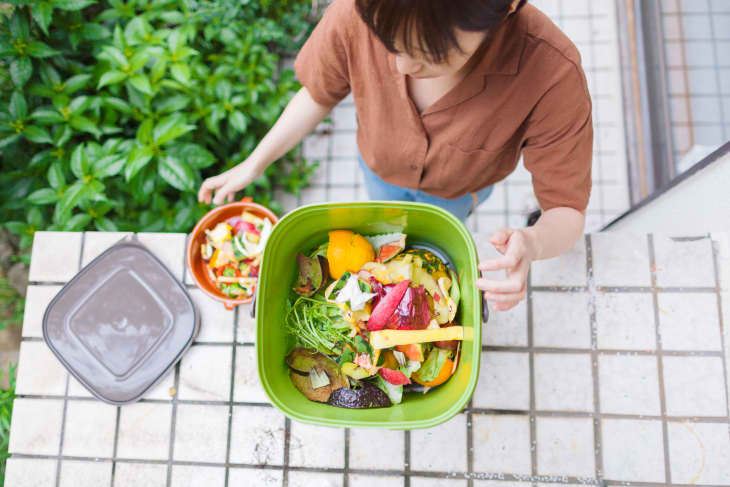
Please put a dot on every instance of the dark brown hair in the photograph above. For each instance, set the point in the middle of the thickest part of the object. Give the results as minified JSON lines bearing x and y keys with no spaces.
{"x":433,"y":21}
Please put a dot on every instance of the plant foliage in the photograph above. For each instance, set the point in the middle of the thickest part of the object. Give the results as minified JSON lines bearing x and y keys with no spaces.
{"x":112,"y":112}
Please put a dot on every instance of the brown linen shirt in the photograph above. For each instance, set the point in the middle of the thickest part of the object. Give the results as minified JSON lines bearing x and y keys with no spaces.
{"x":527,"y":95}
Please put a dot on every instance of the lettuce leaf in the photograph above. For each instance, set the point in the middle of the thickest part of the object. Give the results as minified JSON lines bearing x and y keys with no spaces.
{"x":395,"y":393}
{"x":432,"y":365}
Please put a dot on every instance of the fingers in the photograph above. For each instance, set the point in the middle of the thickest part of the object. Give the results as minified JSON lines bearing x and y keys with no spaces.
{"x":505,"y":298}
{"x":227,"y":192}
{"x":504,"y":306}
{"x":511,"y":285}
{"x":506,"y":261}
{"x":501,"y":236}
{"x":206,"y":189}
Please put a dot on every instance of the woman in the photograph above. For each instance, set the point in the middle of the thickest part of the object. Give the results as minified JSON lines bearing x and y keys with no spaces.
{"x":449,"y":94}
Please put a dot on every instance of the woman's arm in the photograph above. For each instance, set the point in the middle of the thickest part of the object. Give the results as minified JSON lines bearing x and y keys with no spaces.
{"x":555,"y":232}
{"x":299,"y":118}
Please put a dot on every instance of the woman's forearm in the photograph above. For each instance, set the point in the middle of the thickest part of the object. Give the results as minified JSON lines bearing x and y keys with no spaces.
{"x":300,"y":117}
{"x":556,"y":231}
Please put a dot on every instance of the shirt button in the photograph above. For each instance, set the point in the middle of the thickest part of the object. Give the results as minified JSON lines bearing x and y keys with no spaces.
{"x":414,"y":167}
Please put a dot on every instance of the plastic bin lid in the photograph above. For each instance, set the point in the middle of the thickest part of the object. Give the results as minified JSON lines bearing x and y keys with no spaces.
{"x":121,"y":323}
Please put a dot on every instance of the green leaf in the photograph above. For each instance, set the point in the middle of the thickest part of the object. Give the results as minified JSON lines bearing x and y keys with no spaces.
{"x":177,"y":173}
{"x":55,"y":176}
{"x":197,"y":156}
{"x":17,"y":228}
{"x":111,"y":78}
{"x":20,"y":70}
{"x":139,"y":59}
{"x":38,"y":135}
{"x":85,"y":125}
{"x":79,"y":104}
{"x":72,"y":4}
{"x":141,"y":83}
{"x":75,"y":83}
{"x":43,"y":196}
{"x":173,"y":103}
{"x":42,"y":13}
{"x":114,"y":55}
{"x":94,"y":32}
{"x":138,"y":159}
{"x":9,"y":140}
{"x":104,"y":224}
{"x":108,"y":166}
{"x":181,"y":73}
{"x":170,"y":128}
{"x":136,"y":30}
{"x":71,"y":198}
{"x":61,"y":135}
{"x":117,"y":104}
{"x":46,"y":115}
{"x":19,"y":25}
{"x":144,"y":132}
{"x":77,"y":222}
{"x":17,"y":107}
{"x":172,"y":17}
{"x":41,"y":50}
{"x":79,"y":162}
{"x":175,"y":40}
{"x":238,"y":121}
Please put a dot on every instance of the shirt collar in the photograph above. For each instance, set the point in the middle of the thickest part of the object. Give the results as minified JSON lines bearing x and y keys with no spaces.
{"x":504,"y":49}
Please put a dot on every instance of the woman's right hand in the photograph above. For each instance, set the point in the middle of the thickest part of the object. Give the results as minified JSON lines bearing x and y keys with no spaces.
{"x":226,"y":184}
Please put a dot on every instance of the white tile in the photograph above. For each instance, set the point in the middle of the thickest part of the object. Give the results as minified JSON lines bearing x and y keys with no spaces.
{"x":694,"y":386}
{"x":488,"y":223}
{"x":195,"y":476}
{"x":344,"y":145}
{"x":254,"y":476}
{"x":246,"y":332}
{"x":76,"y":389}
{"x":452,"y":459}
{"x":168,"y":247}
{"x":502,"y":444}
{"x":39,"y":371}
{"x":339,"y":194}
{"x":316,"y":146}
{"x":684,"y":263}
{"x":699,"y":453}
{"x":496,"y":200}
{"x":615,"y":196}
{"x":563,"y":382}
{"x":344,"y":117}
{"x":505,"y":483}
{"x":205,"y":373}
{"x":144,"y":431}
{"x":37,"y":299}
{"x":97,"y":242}
{"x":165,"y":389}
{"x":344,"y":172}
{"x":55,"y":256}
{"x":315,"y":194}
{"x":560,"y":319}
{"x":629,"y":384}
{"x":568,"y":269}
{"x":257,"y":435}
{"x":389,"y":455}
{"x":356,"y":480}
{"x":89,"y":430}
{"x":633,"y":450}
{"x":140,"y":474}
{"x":247,"y":387}
{"x":35,"y":427}
{"x":521,"y":198}
{"x":620,"y":259}
{"x":689,"y":321}
{"x":216,"y":322}
{"x":437,"y":482}
{"x":310,"y":479}
{"x":305,"y":446}
{"x":201,"y":433}
{"x":565,"y":447}
{"x":507,"y":327}
{"x":625,"y":321}
{"x":30,"y":472}
{"x":504,"y":381}
{"x":85,"y":474}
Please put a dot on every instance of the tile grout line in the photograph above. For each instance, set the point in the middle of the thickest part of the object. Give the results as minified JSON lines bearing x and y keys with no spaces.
{"x":68,"y":381}
{"x":231,"y":392}
{"x":116,"y":445}
{"x":470,"y":443}
{"x":597,"y":434}
{"x":716,"y":268}
{"x":718,"y":79}
{"x":346,"y":471}
{"x":407,"y":459}
{"x":287,"y":443}
{"x":173,"y":424}
{"x":531,"y":362}
{"x":660,"y":362}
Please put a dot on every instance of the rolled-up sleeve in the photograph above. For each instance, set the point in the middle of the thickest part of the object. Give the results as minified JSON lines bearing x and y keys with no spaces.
{"x":322,"y":63}
{"x":558,"y":147}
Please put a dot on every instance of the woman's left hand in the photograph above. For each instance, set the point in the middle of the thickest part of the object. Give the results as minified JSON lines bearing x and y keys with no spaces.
{"x":518,"y":248}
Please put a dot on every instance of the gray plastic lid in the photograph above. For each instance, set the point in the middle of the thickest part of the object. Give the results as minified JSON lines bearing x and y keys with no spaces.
{"x":121,"y":323}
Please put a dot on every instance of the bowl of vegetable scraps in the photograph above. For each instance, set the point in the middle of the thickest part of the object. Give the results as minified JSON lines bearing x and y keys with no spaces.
{"x":225,"y":250}
{"x":369,"y":316}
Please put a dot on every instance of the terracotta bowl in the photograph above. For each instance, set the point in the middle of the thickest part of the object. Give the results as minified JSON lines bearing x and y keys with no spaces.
{"x":196,"y":264}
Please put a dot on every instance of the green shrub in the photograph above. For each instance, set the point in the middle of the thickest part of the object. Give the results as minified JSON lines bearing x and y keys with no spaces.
{"x":6,"y":412}
{"x":111,"y":113}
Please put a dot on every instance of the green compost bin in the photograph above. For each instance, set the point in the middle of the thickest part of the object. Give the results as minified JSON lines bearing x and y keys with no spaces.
{"x":305,"y":228}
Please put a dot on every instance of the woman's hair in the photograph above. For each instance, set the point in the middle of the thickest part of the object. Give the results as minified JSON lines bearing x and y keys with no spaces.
{"x":432,"y":21}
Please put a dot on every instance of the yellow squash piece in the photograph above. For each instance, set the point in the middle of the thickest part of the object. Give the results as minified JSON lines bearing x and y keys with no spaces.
{"x":390,"y":338}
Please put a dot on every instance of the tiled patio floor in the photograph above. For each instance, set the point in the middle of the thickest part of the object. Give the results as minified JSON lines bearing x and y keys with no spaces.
{"x":592,"y":27}
{"x":613,"y":372}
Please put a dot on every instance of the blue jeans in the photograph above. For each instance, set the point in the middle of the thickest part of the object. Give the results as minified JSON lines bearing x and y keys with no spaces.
{"x":380,"y":190}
